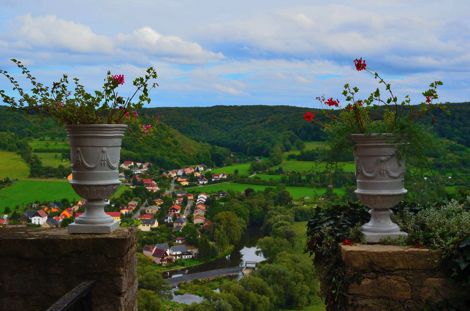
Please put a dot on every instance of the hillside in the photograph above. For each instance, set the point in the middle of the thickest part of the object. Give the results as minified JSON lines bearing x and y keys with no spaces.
{"x":165,"y":147}
{"x":254,"y":130}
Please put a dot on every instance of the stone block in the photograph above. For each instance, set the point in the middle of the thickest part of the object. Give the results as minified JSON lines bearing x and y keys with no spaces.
{"x":388,"y":257}
{"x":39,"y":266}
{"x":392,"y":287}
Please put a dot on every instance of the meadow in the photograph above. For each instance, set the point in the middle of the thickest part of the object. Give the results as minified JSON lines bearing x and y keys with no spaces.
{"x":52,"y":159}
{"x":243,"y":169}
{"x":12,"y":166}
{"x":27,"y":191}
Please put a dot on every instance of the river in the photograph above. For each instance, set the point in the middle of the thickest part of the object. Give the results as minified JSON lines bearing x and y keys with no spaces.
{"x":245,"y":251}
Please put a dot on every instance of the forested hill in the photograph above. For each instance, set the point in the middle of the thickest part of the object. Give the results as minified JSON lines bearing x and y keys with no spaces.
{"x":255,"y":130}
{"x":251,"y":130}
{"x":166,"y":147}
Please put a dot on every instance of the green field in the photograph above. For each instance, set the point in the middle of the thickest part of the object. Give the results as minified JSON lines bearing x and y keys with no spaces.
{"x":52,"y":159}
{"x":296,"y":192}
{"x":49,"y":144}
{"x":28,"y":191}
{"x":243,"y":169}
{"x":12,"y":166}
{"x":309,"y":145}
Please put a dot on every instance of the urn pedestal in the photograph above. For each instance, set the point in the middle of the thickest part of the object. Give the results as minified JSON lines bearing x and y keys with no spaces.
{"x":380,"y":183}
{"x":95,"y":153}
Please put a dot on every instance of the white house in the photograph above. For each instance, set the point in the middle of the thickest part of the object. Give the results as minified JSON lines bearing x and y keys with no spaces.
{"x":39,"y":218}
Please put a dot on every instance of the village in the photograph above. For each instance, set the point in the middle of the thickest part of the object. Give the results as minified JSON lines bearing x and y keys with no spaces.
{"x":173,"y":207}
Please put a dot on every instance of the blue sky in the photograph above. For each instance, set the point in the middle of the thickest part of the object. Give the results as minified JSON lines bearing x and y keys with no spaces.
{"x":244,"y":52}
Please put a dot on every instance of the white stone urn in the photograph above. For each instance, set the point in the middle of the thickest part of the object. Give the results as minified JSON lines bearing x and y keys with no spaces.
{"x":95,"y":152}
{"x":380,"y":183}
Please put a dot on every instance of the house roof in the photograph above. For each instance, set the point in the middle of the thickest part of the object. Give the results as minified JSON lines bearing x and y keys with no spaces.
{"x":146,"y":216}
{"x":2,"y":221}
{"x":162,"y":246}
{"x":179,"y":248}
{"x":176,"y":207}
{"x":149,"y":248}
{"x":159,"y":253}
{"x":52,"y":222}
{"x":148,"y":180}
{"x":41,"y":213}
{"x":148,"y":222}
{"x":180,"y":220}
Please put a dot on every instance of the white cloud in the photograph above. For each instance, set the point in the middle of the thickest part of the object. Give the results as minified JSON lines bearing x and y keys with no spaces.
{"x":170,"y":47}
{"x":51,"y":32}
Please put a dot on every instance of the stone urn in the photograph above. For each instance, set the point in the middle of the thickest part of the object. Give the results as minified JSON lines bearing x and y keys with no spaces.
{"x":95,"y":152}
{"x":380,"y":183}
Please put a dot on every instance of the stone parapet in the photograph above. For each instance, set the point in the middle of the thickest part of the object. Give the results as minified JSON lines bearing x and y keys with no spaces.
{"x":39,"y":266}
{"x":399,"y":278}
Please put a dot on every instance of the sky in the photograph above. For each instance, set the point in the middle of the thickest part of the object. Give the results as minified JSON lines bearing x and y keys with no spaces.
{"x":263,"y":52}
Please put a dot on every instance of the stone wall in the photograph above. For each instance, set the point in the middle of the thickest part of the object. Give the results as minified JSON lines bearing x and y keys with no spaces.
{"x":399,"y":278}
{"x":39,"y":266}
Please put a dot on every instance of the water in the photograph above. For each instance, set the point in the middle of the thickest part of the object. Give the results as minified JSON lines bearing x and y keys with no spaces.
{"x":186,"y":299}
{"x":246,"y":251}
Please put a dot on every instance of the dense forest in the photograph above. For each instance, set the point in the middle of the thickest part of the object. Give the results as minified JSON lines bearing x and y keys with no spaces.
{"x":255,"y":130}
{"x":210,"y":134}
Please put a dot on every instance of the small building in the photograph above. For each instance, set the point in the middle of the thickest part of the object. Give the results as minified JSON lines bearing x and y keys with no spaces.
{"x":202,"y":181}
{"x":146,"y":216}
{"x":199,"y":220}
{"x":152,"y":209}
{"x":148,"y":224}
{"x":39,"y":218}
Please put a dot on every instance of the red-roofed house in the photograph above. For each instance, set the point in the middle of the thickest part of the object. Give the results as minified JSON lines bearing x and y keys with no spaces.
{"x":146,"y":216}
{"x":175,"y":208}
{"x":199,"y":220}
{"x":150,"y":185}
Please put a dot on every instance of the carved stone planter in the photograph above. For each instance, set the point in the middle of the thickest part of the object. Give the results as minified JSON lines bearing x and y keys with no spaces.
{"x":95,"y":152}
{"x":380,"y":183}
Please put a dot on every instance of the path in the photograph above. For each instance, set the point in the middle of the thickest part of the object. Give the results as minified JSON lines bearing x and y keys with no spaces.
{"x":205,"y":275}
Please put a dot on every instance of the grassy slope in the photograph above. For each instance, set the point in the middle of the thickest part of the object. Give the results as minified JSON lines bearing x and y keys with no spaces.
{"x":243,"y":169}
{"x":27,"y":191}
{"x":12,"y":166}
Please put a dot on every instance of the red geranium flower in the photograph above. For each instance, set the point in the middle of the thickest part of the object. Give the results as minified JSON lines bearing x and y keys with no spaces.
{"x":309,"y":116}
{"x":347,"y":242}
{"x":349,"y":107}
{"x":360,"y":64}
{"x":428,"y":100}
{"x":119,"y":79}
{"x":332,"y":102}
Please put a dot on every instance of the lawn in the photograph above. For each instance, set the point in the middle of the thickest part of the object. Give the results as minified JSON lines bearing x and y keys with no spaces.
{"x":52,"y":159}
{"x":243,"y":169}
{"x":12,"y":166}
{"x":296,"y":192}
{"x":23,"y":192}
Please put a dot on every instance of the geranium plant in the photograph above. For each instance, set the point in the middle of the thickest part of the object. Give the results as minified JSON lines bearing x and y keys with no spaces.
{"x":375,"y":113}
{"x":70,"y":104}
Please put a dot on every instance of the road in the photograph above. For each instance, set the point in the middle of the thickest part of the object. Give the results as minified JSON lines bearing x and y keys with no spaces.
{"x":205,"y":275}
{"x":142,"y":207}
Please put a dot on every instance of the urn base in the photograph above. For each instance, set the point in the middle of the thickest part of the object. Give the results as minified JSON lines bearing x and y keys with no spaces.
{"x":93,"y":228}
{"x":374,"y":237}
